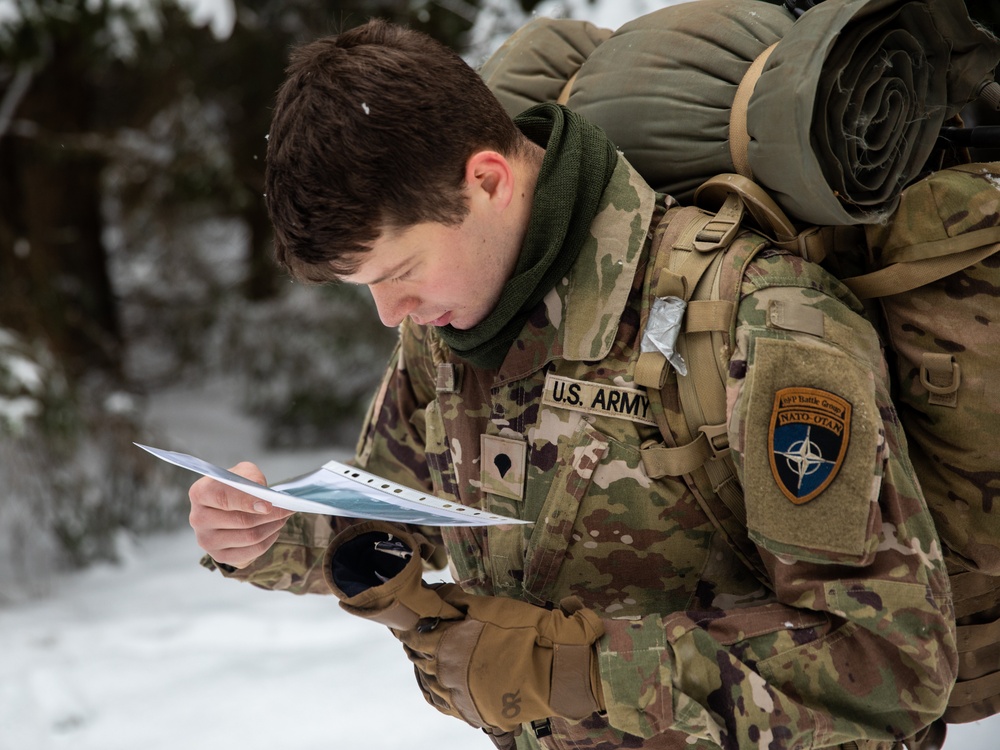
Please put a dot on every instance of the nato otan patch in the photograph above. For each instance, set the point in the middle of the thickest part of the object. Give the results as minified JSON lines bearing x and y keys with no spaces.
{"x":807,"y":440}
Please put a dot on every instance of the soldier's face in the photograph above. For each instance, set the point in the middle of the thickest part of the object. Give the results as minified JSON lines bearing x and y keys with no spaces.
{"x":437,"y":274}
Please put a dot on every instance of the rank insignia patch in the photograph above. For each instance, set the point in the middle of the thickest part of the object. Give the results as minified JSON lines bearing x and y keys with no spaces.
{"x":504,"y":465}
{"x":807,"y":440}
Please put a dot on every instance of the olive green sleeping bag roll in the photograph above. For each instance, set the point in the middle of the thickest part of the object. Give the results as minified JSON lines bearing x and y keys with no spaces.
{"x":849,"y":105}
{"x":535,"y":64}
{"x":844,"y":114}
{"x":663,"y":85}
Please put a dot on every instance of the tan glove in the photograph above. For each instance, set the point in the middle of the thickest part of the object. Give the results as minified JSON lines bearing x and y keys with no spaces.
{"x":494,"y":662}
{"x":508,"y":662}
{"x":375,"y":569}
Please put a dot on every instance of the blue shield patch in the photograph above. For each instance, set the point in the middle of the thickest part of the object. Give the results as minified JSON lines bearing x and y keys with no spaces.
{"x":807,"y":440}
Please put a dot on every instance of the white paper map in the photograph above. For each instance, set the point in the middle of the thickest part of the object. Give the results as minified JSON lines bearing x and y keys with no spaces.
{"x":337,"y":489}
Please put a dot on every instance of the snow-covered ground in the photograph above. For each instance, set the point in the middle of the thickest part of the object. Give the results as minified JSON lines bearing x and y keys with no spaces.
{"x":160,"y":654}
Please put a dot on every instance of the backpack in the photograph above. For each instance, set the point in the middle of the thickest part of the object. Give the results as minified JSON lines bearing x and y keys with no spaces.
{"x":936,"y":276}
{"x":932,"y":282}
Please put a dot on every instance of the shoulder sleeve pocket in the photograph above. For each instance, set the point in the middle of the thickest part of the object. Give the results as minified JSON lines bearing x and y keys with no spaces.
{"x":813,"y":456}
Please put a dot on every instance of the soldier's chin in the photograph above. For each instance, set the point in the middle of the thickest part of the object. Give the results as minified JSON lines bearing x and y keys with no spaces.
{"x":464,"y":324}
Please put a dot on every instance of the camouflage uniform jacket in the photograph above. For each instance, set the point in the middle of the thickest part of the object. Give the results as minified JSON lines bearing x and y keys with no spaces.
{"x":852,"y":638}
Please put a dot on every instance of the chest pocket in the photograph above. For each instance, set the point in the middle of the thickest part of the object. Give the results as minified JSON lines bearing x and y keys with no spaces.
{"x":577,"y":457}
{"x":530,"y":562}
{"x":604,"y":530}
{"x":464,"y":543}
{"x":437,"y":453}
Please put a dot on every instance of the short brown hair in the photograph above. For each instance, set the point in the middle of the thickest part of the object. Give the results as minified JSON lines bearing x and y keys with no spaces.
{"x":371,"y":130}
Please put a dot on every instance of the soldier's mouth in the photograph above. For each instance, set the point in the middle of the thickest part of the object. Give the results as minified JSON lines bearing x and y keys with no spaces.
{"x":443,"y":320}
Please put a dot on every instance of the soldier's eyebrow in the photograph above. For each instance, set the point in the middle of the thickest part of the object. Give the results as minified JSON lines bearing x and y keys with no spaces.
{"x":390,"y":274}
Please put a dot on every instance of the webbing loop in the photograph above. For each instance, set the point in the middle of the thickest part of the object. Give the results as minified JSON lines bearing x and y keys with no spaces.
{"x":941,"y":376}
{"x":651,"y":370}
{"x":709,"y":315}
{"x":660,"y":461}
{"x":711,"y":444}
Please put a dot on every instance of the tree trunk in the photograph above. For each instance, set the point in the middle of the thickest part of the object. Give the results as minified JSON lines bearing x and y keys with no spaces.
{"x":263,"y":274}
{"x":54,"y":279}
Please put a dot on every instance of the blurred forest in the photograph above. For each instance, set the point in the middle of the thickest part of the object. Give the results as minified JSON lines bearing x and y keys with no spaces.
{"x":135,"y":249}
{"x":135,"y":252}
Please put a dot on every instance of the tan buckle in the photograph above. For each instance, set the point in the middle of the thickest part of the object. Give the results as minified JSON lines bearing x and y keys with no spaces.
{"x":721,"y":228}
{"x":717,"y":436}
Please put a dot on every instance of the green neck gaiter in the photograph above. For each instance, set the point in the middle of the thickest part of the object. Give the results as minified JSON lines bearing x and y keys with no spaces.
{"x":578,"y":163}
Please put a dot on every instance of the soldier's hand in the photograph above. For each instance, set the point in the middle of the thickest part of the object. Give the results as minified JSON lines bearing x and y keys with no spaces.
{"x":233,"y":527}
{"x":494,"y":662}
{"x":375,"y":569}
{"x":507,"y":662}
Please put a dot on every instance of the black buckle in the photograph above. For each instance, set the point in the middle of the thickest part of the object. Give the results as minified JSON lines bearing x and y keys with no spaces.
{"x":798,"y":7}
{"x":541,"y":728}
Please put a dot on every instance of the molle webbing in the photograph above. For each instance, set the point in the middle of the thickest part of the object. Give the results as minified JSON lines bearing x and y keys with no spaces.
{"x":977,"y":609}
{"x":687,"y":260}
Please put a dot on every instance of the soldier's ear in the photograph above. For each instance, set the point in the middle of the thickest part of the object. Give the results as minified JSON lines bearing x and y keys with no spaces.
{"x":489,"y":177}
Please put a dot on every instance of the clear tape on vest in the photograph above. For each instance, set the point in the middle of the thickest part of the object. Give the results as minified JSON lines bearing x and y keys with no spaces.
{"x":666,"y":316}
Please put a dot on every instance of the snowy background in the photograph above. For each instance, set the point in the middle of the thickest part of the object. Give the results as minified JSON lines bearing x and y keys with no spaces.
{"x":156,"y":653}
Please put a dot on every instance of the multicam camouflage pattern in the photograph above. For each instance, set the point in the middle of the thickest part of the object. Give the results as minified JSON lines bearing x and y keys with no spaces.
{"x":952,"y":434}
{"x":852,"y":642}
{"x":947,"y":357}
{"x":295,"y":561}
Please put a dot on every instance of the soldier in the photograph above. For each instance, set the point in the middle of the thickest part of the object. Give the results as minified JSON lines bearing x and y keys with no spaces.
{"x":516,"y":259}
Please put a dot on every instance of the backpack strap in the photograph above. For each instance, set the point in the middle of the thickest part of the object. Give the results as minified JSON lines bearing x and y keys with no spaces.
{"x":695,"y":256}
{"x":937,"y":259}
{"x":812,"y":243}
{"x":563,"y":97}
{"x":739,"y":138}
